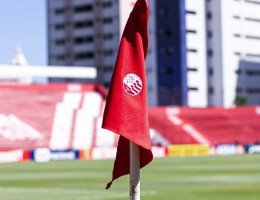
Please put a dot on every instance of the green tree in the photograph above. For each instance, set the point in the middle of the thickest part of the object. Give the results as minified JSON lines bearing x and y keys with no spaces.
{"x":241,"y":100}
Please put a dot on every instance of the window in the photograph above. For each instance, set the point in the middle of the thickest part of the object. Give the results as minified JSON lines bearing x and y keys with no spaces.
{"x":253,"y":55}
{"x":211,"y":71}
{"x":191,"y":12}
{"x":108,"y":20}
{"x":209,"y":34}
{"x":253,"y":72}
{"x":106,"y":84}
{"x":252,"y":37}
{"x":108,"y":68}
{"x":238,"y":72}
{"x":83,"y":8}
{"x":108,"y":36}
{"x":165,"y":32}
{"x":211,"y":90}
{"x":59,"y":11}
{"x":191,"y":31}
{"x":253,"y":2}
{"x":169,"y":70}
{"x":237,"y":35}
{"x":83,"y":24}
{"x":60,"y":42}
{"x":253,"y":90}
{"x":236,"y":17}
{"x":192,"y":50}
{"x":59,"y":26}
{"x":193,"y":89}
{"x":81,"y":40}
{"x":108,"y":52}
{"x":239,"y":90}
{"x":168,"y":32}
{"x":210,"y":52}
{"x":252,"y":19}
{"x":166,"y":50}
{"x":60,"y":57}
{"x":209,"y":15}
{"x":84,"y":55}
{"x":165,"y":13}
{"x":192,"y":69}
{"x":107,"y":4}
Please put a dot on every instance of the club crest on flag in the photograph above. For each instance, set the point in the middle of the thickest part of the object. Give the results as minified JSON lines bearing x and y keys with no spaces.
{"x":132,"y":84}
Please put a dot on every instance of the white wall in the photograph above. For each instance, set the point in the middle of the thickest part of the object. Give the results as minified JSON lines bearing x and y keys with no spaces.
{"x":214,"y":43}
{"x":196,"y":60}
{"x":239,"y":45}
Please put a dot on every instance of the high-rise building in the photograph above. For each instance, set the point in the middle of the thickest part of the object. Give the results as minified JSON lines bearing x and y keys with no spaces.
{"x":84,"y":33}
{"x":87,"y":33}
{"x":201,"y":53}
{"x":208,"y":52}
{"x":181,"y":56}
{"x":233,"y":32}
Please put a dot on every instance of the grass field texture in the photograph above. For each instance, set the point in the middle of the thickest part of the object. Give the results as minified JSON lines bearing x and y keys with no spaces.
{"x":197,"y":178}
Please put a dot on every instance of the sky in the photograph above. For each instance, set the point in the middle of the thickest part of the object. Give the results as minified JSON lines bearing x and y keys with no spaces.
{"x":23,"y":23}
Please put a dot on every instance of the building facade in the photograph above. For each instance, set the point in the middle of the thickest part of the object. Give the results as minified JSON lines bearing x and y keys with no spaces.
{"x":233,"y":30}
{"x":199,"y":51}
{"x":208,"y":52}
{"x":87,"y":33}
{"x":181,"y":53}
{"x":84,"y":33}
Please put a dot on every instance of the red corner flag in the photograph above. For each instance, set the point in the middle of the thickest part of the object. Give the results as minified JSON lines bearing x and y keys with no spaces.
{"x":126,"y":110}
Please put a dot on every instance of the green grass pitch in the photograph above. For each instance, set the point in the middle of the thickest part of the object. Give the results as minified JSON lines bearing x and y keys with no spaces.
{"x":186,"y":178}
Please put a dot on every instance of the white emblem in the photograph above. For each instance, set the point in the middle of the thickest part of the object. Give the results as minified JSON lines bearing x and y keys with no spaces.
{"x":132,"y":84}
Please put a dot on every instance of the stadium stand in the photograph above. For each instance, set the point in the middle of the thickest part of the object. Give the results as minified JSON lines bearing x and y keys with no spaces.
{"x":169,"y":126}
{"x":69,"y":116}
{"x":210,"y":126}
{"x":238,"y":125}
{"x":57,"y":116}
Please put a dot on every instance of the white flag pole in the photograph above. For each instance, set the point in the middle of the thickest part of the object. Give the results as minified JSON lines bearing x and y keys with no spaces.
{"x":134,"y":172}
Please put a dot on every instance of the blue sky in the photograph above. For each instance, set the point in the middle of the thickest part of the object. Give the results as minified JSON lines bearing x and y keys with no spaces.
{"x":24,"y":23}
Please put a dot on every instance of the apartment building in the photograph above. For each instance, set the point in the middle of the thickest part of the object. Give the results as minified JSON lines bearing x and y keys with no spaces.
{"x":87,"y":33}
{"x":201,"y":53}
{"x":182,"y":64}
{"x":233,"y":51}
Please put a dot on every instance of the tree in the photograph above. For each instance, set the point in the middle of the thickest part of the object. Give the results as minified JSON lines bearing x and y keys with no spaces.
{"x":241,"y":100}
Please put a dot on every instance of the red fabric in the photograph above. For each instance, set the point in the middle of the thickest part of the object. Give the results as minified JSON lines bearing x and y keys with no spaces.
{"x":126,"y":111}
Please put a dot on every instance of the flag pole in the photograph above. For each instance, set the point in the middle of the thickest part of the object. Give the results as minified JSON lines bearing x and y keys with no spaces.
{"x":134,"y":171}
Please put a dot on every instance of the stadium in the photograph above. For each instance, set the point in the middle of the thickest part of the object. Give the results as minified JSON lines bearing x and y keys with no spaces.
{"x":200,"y":131}
{"x":195,"y":160}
